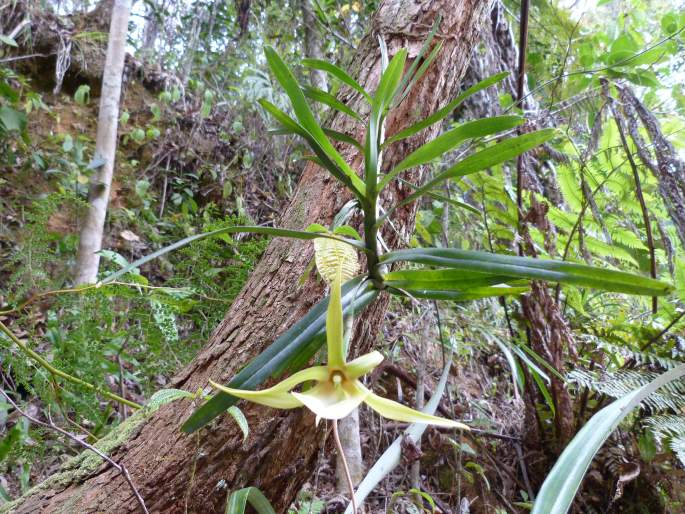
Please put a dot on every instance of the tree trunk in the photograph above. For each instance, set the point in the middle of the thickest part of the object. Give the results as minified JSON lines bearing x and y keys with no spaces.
{"x":313,"y":43}
{"x":87,"y":259}
{"x":178,"y":473}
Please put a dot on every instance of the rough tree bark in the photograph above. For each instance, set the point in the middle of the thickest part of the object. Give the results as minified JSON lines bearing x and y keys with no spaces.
{"x":90,"y":242}
{"x":178,"y":473}
{"x":313,"y":42}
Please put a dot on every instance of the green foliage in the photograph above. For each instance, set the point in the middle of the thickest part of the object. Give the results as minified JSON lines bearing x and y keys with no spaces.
{"x":562,"y":483}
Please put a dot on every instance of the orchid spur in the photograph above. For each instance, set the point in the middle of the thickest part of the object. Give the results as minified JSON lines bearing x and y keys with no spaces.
{"x":338,"y":390}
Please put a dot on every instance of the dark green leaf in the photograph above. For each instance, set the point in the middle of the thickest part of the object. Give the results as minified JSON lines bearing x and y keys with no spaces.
{"x":450,"y":140}
{"x":465,"y":295}
{"x":238,"y":500}
{"x":445,"y":111}
{"x":533,"y":269}
{"x":490,"y":156}
{"x":387,"y":87}
{"x":305,"y":116}
{"x":269,"y":231}
{"x":323,"y":159}
{"x":338,"y":73}
{"x":328,"y":99}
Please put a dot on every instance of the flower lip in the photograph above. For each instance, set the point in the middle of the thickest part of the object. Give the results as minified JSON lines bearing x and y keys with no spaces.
{"x":337,"y":377}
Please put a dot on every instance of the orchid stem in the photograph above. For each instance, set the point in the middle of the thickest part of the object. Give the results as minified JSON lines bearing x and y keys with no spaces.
{"x":341,"y":452}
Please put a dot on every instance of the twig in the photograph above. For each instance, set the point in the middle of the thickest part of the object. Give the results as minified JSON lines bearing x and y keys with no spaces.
{"x":640,"y":197}
{"x":660,"y":334}
{"x":58,"y":372}
{"x":524,"y":470}
{"x":119,"y":467}
{"x":21,"y":57}
{"x":520,"y":82}
{"x":341,"y":452}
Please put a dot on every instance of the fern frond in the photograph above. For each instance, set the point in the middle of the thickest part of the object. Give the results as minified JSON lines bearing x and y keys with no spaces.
{"x":622,"y":382}
{"x":640,"y":358}
{"x":670,"y":429}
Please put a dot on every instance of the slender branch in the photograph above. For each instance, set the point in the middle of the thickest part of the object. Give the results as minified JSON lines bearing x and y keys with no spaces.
{"x":81,"y":289}
{"x":520,"y":83}
{"x":59,"y":373}
{"x":348,"y":477}
{"x":50,"y":425}
{"x":640,"y":197}
{"x":660,"y":334}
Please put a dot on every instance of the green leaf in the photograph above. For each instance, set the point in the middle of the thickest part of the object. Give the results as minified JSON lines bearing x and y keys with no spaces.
{"x":296,"y":345}
{"x":450,"y":140}
{"x":11,"y":119}
{"x":346,"y":230}
{"x":387,"y":87}
{"x":305,"y":116}
{"x":323,"y":159}
{"x":164,"y":396}
{"x":240,"y":419}
{"x":328,"y":99}
{"x":533,"y":269}
{"x":445,"y":111}
{"x":238,"y":500}
{"x":343,"y":138}
{"x":338,"y":73}
{"x":490,"y":156}
{"x":8,"y":41}
{"x":465,"y":295}
{"x":562,"y":483}
{"x":444,"y":279}
{"x":413,"y":75}
{"x":419,"y":73}
{"x":269,"y":231}
{"x":454,"y":203}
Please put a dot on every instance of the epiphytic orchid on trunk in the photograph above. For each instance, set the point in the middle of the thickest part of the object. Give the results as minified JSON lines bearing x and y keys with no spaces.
{"x":338,"y":390}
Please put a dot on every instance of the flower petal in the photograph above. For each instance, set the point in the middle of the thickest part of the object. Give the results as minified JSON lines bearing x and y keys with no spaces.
{"x":393,"y":410}
{"x":362,"y":365}
{"x":332,"y":402}
{"x":278,"y":396}
{"x":334,"y":325}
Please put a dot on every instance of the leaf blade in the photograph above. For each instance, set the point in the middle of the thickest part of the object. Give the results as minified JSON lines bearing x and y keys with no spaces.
{"x":532,"y":269}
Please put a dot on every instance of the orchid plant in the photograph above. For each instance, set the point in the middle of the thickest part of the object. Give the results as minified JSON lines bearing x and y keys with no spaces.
{"x":450,"y":274}
{"x":338,"y":390}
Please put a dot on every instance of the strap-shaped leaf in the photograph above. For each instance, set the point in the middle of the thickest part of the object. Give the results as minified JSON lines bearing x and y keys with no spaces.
{"x":269,"y":231}
{"x":238,"y":500}
{"x":534,"y":269}
{"x":465,"y":295}
{"x":561,"y":485}
{"x":454,"y":203}
{"x":333,"y":134}
{"x":305,"y":116}
{"x":338,"y":73}
{"x":450,"y":140}
{"x":299,"y":342}
{"x":343,"y":138}
{"x":324,"y":97}
{"x":385,"y":92}
{"x":445,"y":279}
{"x":413,"y":75}
{"x":445,"y":111}
{"x":490,"y":156}
{"x":327,"y":163}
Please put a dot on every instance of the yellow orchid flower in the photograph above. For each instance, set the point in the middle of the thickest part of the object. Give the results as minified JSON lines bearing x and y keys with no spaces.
{"x":338,"y":390}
